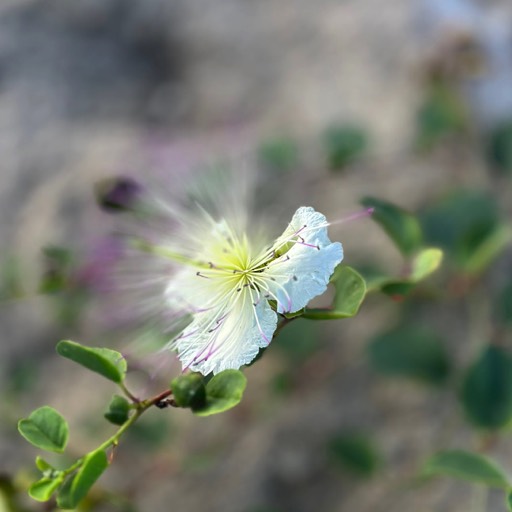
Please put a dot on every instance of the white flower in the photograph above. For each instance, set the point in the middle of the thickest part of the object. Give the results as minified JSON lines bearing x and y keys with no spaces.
{"x":233,"y":291}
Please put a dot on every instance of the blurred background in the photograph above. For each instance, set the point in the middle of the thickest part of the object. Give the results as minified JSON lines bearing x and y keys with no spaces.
{"x":334,"y":100}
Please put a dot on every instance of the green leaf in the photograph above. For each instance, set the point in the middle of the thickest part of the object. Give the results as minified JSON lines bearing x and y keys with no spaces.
{"x":425,"y":263}
{"x":466,"y":466}
{"x":499,"y":147}
{"x":43,"y":466}
{"x":466,"y":225}
{"x":45,"y":428}
{"x":410,"y":352}
{"x":354,"y":452}
{"x":344,"y":144}
{"x":75,"y":489}
{"x":118,"y":410}
{"x":350,"y":291}
{"x":43,"y":489}
{"x":488,"y":249}
{"x":487,"y":389}
{"x":108,"y":363}
{"x":279,"y":154}
{"x":441,"y":115}
{"x":400,"y":225}
{"x":504,"y":305}
{"x":189,"y":390}
{"x":224,"y":391}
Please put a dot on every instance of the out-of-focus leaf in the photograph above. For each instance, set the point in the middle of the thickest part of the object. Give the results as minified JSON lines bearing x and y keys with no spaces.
{"x":189,"y":390}
{"x":400,"y":225}
{"x":466,"y":225}
{"x":442,"y":114}
{"x":344,"y":144}
{"x":45,"y":428}
{"x":504,"y":305}
{"x":466,"y":466}
{"x":410,"y":352}
{"x":488,"y":249}
{"x":118,"y":410}
{"x":499,"y":147}
{"x":487,"y":389}
{"x":350,"y":291}
{"x":223,"y":392}
{"x":108,"y":363}
{"x":279,"y":154}
{"x":425,"y":263}
{"x":355,"y":452}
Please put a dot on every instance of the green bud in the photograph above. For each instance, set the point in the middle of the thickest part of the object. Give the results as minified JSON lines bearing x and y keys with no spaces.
{"x":189,"y":391}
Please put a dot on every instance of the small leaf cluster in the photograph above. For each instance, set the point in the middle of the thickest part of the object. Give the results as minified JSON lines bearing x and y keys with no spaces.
{"x":46,"y":429}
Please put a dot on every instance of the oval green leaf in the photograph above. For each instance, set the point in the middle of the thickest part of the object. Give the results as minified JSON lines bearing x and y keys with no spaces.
{"x":466,"y":466}
{"x":487,"y":389}
{"x":410,"y":352}
{"x":108,"y":363}
{"x":223,"y":392}
{"x":43,"y":489}
{"x":400,"y":225}
{"x":425,"y":263}
{"x":75,"y":489}
{"x":45,"y":428}
{"x":43,"y":466}
{"x":350,"y":291}
{"x":118,"y":410}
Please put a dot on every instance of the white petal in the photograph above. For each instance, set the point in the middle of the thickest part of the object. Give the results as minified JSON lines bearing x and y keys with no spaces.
{"x":303,"y":272}
{"x":226,"y":338}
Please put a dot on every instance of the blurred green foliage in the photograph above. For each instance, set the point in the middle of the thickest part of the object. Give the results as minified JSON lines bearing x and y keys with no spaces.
{"x":279,"y":154}
{"x":499,"y":147}
{"x":410,"y":351}
{"x":467,"y":225}
{"x":401,"y":226}
{"x":487,"y":389}
{"x":466,"y":466}
{"x":441,"y":116}
{"x":344,"y":144}
{"x":354,"y":452}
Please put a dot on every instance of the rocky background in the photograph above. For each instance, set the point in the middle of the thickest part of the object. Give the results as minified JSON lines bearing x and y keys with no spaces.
{"x":94,"y":88}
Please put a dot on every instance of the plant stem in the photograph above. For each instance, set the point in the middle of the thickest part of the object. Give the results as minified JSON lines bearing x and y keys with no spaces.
{"x":140,"y":408}
{"x":128,"y":393}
